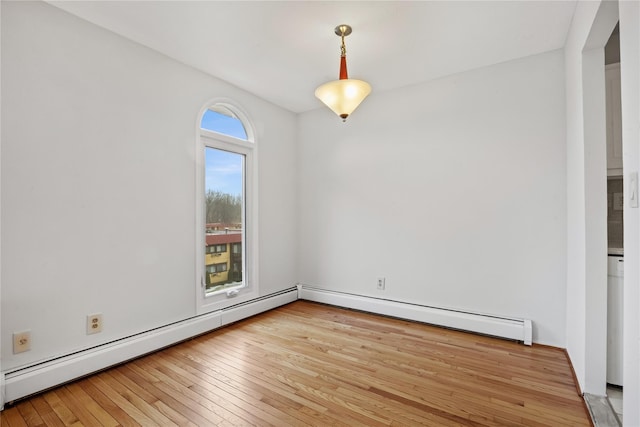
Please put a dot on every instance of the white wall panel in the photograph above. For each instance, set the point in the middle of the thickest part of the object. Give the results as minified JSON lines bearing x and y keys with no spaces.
{"x":630,"y":88}
{"x":98,"y":183}
{"x":453,"y":190}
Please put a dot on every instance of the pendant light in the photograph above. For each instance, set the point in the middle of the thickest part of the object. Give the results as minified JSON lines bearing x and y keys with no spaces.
{"x":344,"y":95}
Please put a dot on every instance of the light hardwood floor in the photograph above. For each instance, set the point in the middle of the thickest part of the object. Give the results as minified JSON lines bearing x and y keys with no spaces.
{"x":311,"y":364}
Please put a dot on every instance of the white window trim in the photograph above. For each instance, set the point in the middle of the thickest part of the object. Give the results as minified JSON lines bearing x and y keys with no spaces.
{"x":219,"y":300}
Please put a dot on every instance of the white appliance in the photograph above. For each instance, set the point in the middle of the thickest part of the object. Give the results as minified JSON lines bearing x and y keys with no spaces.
{"x":615,"y":282}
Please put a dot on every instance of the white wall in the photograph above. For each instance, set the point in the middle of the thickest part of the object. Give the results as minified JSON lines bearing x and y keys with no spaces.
{"x":577,"y":265}
{"x":591,"y":22}
{"x":586,"y":296}
{"x":1,"y":376}
{"x":576,"y":220}
{"x":630,"y":85}
{"x":595,"y":136}
{"x":454,"y":190}
{"x":98,"y":183}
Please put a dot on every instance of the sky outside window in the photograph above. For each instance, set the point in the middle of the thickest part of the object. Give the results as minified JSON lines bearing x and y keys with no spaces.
{"x":223,"y":170}
{"x":221,"y":123}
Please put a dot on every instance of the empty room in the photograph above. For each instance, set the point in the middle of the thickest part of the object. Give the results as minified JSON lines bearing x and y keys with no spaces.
{"x":319,"y":213}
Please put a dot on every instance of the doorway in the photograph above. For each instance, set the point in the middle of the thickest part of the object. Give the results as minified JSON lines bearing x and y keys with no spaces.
{"x":615,"y":224}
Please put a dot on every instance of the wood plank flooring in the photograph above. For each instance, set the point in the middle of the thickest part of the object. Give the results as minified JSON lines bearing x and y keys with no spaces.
{"x":311,"y":364}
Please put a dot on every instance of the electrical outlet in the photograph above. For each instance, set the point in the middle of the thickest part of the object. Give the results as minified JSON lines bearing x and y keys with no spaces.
{"x":21,"y":342}
{"x":94,"y":323}
{"x":381,"y":281}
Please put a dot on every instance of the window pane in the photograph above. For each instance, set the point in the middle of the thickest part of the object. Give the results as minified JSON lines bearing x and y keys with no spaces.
{"x":224,"y":122}
{"x":224,"y":228}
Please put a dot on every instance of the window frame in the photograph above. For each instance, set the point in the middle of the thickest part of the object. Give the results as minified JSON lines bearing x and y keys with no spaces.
{"x":207,"y":138}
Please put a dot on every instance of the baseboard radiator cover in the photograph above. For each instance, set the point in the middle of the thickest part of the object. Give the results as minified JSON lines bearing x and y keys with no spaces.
{"x":29,"y":380}
{"x":503,"y":327}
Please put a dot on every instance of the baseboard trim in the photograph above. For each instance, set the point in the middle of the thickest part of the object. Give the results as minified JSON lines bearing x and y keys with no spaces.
{"x":25,"y":381}
{"x":503,"y":327}
{"x":29,"y":380}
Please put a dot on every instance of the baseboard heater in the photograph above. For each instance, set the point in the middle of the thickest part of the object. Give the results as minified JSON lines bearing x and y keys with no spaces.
{"x":497,"y":326}
{"x":32,"y":379}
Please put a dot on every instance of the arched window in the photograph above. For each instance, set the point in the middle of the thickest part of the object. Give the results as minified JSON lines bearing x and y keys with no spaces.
{"x":227,"y":224}
{"x":219,"y":118}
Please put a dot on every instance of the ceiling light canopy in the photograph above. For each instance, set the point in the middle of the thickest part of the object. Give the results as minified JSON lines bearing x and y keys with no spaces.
{"x":343,"y":95}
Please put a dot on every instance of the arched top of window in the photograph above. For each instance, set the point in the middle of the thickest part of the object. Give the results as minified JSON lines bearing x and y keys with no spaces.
{"x":221,"y":119}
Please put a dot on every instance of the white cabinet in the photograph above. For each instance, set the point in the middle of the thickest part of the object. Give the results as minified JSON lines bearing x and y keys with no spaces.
{"x":614,"y":120}
{"x":615,"y":282}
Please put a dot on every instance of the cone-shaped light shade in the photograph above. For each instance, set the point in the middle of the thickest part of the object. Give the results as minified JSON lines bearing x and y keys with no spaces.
{"x":343,"y":96}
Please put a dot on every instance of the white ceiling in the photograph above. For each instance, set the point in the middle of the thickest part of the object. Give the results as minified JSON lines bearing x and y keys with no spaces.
{"x":282,"y":50}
